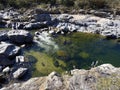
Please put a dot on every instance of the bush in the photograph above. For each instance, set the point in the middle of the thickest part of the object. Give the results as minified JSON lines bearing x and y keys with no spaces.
{"x":67,"y":2}
{"x":81,"y":3}
{"x":96,"y":4}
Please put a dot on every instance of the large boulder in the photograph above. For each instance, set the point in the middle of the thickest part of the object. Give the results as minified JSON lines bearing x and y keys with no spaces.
{"x":8,"y":50}
{"x":20,"y":36}
{"x":19,"y":73}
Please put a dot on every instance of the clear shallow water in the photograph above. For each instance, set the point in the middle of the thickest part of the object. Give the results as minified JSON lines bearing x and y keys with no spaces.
{"x":78,"y":50}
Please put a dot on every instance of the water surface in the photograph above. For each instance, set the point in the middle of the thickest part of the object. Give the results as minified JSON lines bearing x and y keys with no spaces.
{"x":76,"y":50}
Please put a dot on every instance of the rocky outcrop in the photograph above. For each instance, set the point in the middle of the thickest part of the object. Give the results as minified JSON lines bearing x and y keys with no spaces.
{"x":89,"y":24}
{"x":20,"y":36}
{"x":102,"y":77}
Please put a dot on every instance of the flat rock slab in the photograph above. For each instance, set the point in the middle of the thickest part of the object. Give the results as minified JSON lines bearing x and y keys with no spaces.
{"x":20,"y":36}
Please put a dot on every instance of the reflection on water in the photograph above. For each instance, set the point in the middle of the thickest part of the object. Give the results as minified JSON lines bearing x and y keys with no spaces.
{"x":77,"y":50}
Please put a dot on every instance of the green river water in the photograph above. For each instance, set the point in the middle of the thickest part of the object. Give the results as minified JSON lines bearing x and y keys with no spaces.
{"x":76,"y":50}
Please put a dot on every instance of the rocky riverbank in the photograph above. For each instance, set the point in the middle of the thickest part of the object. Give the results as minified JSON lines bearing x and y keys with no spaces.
{"x":102,"y":77}
{"x":14,"y":66}
{"x":103,"y":23}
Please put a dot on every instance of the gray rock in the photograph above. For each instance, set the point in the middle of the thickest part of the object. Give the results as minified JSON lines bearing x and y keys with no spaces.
{"x":64,"y":17}
{"x":19,"y":73}
{"x":101,"y":14}
{"x":32,"y":84}
{"x":8,"y":50}
{"x":54,"y":82}
{"x":107,"y":69}
{"x":67,"y":27}
{"x":79,"y":80}
{"x":20,"y":36}
{"x":3,"y":35}
{"x":42,"y":17}
{"x":36,"y":25}
{"x":6,"y":70}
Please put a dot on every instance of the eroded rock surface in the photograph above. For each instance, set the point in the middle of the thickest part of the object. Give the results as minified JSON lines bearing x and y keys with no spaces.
{"x":79,"y":79}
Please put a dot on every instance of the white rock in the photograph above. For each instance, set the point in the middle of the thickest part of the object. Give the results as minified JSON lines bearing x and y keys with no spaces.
{"x":20,"y":59}
{"x":6,"y":70}
{"x":19,"y":73}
